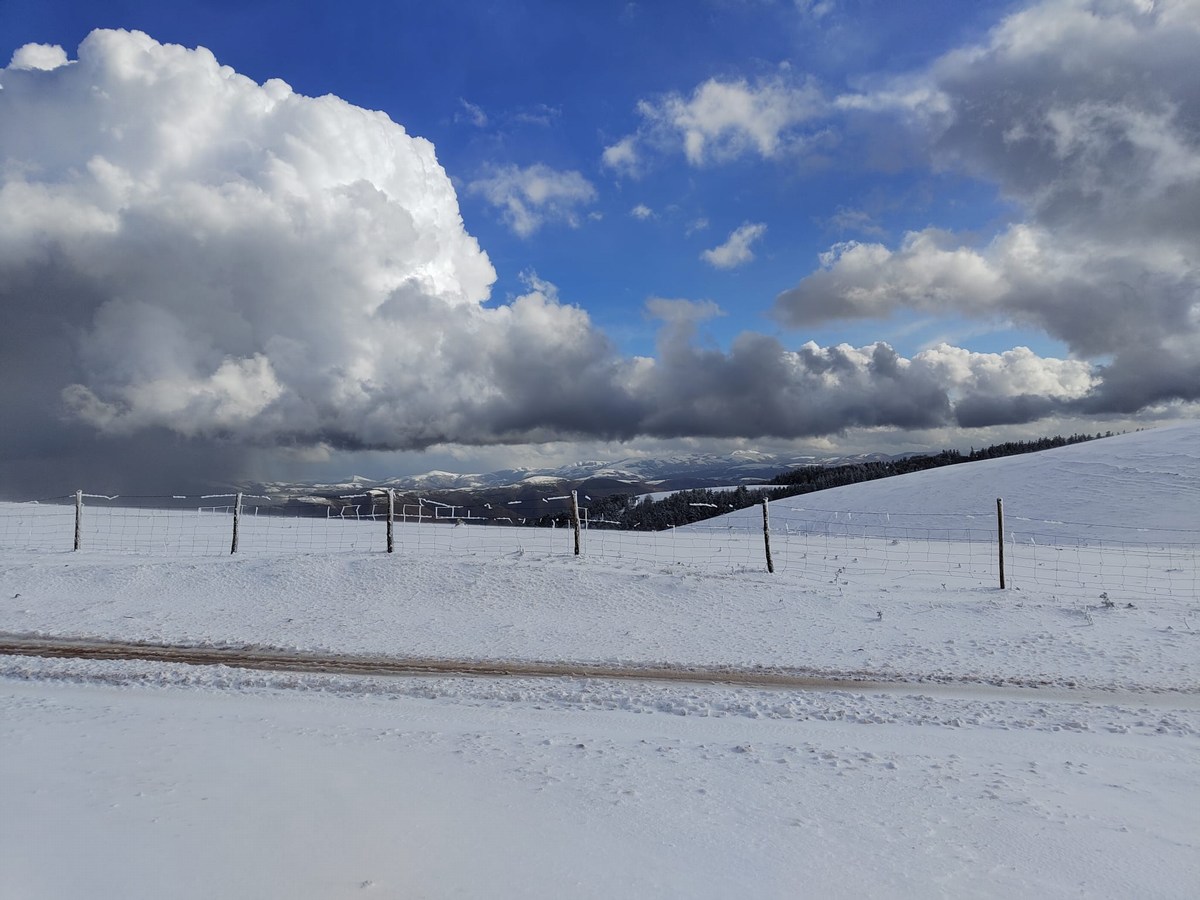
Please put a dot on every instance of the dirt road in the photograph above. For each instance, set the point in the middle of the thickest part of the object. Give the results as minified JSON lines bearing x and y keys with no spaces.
{"x":328,"y":663}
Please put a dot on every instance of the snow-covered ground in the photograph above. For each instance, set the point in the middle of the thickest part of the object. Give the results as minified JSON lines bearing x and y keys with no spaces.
{"x":139,"y":779}
{"x":1142,"y":486}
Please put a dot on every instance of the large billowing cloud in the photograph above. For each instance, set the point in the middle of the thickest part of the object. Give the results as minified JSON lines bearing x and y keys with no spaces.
{"x":1086,"y":114}
{"x":185,"y":252}
{"x":192,"y":264}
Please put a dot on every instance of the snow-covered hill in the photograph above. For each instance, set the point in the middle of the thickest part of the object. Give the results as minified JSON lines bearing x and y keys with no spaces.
{"x":1148,"y":480}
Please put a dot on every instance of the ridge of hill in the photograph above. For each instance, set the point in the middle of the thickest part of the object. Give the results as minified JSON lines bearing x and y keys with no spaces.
{"x":1147,"y":481}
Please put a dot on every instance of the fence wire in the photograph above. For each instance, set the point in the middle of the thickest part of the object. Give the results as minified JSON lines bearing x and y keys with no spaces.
{"x":842,"y":549}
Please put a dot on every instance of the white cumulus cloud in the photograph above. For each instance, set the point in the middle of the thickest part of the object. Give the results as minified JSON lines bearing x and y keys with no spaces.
{"x":529,"y":198}
{"x":38,"y":56}
{"x":736,"y":249}
{"x":623,"y":156}
{"x":721,"y":120}
{"x":184,"y":251}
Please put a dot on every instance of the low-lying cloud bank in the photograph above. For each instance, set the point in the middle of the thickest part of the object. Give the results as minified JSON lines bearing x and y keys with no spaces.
{"x":190,"y":259}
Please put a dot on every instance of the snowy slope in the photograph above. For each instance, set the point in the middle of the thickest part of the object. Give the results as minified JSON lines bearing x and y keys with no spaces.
{"x":1147,"y":480}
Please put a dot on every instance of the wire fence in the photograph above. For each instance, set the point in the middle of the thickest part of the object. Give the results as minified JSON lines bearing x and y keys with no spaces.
{"x":942,"y":550}
{"x":845,"y":550}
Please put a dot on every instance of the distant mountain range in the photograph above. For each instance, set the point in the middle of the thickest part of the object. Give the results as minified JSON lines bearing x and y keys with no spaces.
{"x":626,"y":476}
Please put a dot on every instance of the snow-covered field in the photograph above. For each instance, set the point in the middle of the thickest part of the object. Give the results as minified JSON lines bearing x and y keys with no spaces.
{"x":1038,"y":741}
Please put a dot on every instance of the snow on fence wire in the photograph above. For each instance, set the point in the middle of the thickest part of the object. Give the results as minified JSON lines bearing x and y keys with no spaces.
{"x":841,"y":549}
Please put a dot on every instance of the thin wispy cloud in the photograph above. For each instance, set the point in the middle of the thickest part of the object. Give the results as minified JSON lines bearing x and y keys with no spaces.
{"x":471,"y":114}
{"x":855,"y":221}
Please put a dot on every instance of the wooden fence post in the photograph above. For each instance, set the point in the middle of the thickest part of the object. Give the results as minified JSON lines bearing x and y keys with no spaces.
{"x":575,"y":518}
{"x":237,"y":519}
{"x":391,"y":518}
{"x":767,"y":537}
{"x":78,"y":518}
{"x":1000,"y":537}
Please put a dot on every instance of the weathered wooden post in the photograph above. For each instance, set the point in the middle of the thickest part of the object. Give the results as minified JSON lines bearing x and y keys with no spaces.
{"x":575,"y":518}
{"x":391,"y":518}
{"x":1000,"y":537}
{"x":767,"y":537}
{"x":237,"y":520}
{"x":78,"y":518}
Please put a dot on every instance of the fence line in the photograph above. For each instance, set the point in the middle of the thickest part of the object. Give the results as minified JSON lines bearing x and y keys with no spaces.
{"x":842,"y":549}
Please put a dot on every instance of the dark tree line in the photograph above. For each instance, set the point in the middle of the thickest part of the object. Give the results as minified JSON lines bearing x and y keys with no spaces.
{"x":818,"y":478}
{"x":684,"y":507}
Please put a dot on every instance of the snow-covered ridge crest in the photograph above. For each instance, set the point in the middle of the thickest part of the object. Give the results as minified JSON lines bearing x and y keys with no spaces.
{"x":699,"y":470}
{"x":1147,"y":482}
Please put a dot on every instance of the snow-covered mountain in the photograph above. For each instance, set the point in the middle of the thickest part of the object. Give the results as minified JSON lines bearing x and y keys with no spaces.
{"x":630,"y":475}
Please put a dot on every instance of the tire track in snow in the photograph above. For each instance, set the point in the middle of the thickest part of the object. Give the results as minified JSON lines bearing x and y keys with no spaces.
{"x":329,"y":663}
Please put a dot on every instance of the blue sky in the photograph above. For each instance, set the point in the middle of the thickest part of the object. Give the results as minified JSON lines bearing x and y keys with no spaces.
{"x":955,"y":180}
